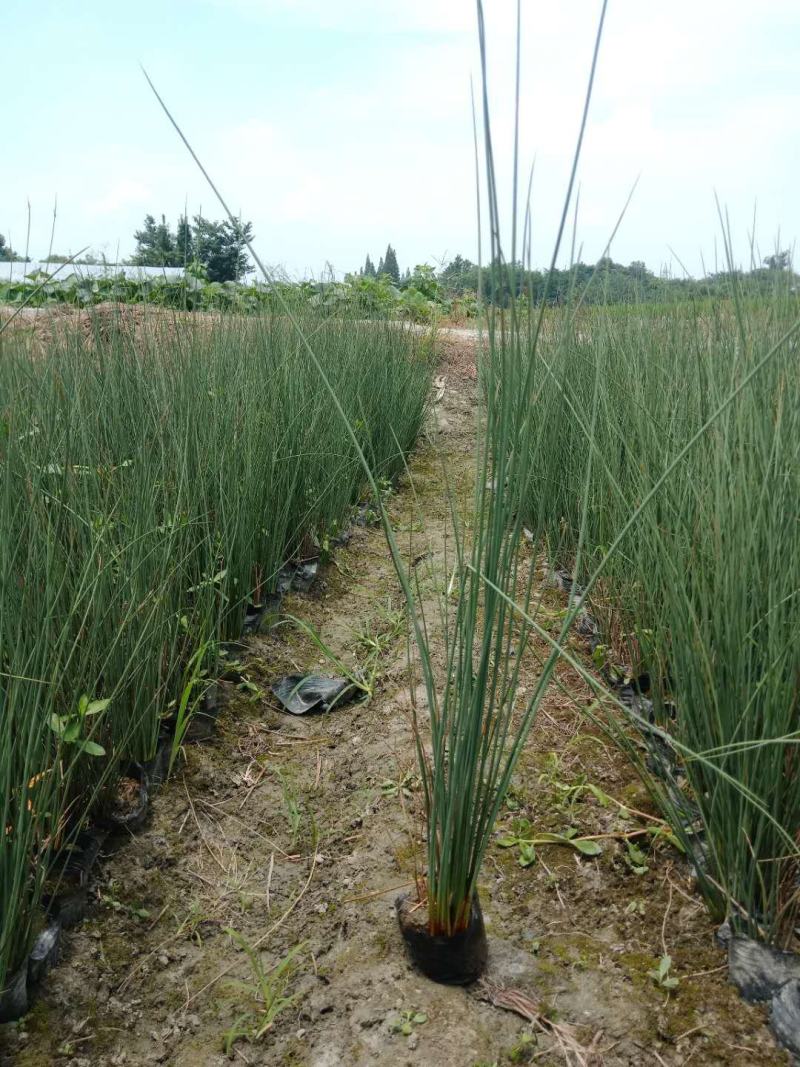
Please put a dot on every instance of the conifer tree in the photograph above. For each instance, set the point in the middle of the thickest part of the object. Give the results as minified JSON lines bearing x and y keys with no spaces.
{"x":390,"y":266}
{"x":369,"y":268}
{"x":184,"y":242}
{"x":155,"y":244}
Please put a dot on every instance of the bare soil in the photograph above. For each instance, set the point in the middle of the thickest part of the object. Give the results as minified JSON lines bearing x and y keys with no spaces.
{"x":298,"y":834}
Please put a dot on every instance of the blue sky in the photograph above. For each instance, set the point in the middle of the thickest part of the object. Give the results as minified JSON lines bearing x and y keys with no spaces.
{"x":340,"y":126}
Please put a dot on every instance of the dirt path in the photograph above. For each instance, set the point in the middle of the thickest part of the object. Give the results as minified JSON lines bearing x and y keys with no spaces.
{"x":297,"y":833}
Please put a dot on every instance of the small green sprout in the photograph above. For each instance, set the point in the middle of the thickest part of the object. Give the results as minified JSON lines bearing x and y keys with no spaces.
{"x":523,"y":837}
{"x":662,"y":977}
{"x":406,"y":1022}
{"x":70,"y":728}
{"x":406,"y":785}
{"x":635,"y":858}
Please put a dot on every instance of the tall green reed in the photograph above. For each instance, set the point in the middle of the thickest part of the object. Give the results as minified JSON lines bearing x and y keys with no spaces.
{"x":154,"y":482}
{"x":702,"y":594}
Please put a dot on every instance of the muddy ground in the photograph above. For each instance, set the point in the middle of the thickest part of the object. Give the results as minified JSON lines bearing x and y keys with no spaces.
{"x":289,"y":838}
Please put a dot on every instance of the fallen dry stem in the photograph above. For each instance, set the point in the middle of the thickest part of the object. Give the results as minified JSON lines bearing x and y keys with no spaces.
{"x":575,"y":1054}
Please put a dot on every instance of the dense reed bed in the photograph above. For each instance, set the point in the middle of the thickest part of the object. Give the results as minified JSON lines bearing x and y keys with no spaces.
{"x":700,"y":601}
{"x":153,"y":483}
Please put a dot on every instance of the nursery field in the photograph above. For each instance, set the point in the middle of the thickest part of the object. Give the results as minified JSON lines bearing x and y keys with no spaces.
{"x":566,"y":711}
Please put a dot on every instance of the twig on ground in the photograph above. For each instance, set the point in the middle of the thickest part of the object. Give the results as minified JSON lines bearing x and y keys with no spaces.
{"x":376,"y":893}
{"x":269,"y":881}
{"x":664,"y":922}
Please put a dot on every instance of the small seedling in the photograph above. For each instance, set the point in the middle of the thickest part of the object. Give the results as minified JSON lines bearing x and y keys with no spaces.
{"x":635,"y":858}
{"x":407,"y":1021}
{"x":663,"y":833}
{"x":356,"y":677}
{"x":569,"y":793}
{"x":523,"y":837}
{"x":255,"y":691}
{"x":291,"y":804}
{"x":118,"y":905}
{"x":268,"y":990}
{"x":662,"y":977}
{"x":70,"y":728}
{"x":190,"y":700}
{"x":406,"y":785}
{"x":635,"y":907}
{"x":375,"y":638}
{"x":211,"y":581}
{"x":523,"y":1050}
{"x":370,"y":516}
{"x":190,"y":927}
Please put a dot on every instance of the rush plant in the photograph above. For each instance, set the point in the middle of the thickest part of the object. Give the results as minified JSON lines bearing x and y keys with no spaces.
{"x":155,"y":478}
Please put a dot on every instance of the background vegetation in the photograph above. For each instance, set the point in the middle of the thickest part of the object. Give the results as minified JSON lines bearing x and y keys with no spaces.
{"x":215,"y":261}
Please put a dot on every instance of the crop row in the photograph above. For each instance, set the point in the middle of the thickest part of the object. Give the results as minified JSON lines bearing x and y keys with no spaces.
{"x":692,"y":417}
{"x":153,"y":483}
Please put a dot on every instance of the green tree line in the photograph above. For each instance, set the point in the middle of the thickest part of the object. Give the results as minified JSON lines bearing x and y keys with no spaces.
{"x":214,"y":250}
{"x":604,"y":282}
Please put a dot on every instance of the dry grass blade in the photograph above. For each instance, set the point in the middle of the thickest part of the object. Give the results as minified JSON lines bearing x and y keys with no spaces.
{"x":575,"y":1054}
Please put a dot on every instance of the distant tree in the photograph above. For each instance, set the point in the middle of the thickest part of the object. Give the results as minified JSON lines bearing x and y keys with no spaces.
{"x":218,"y":247}
{"x":155,"y":244}
{"x":390,"y":266}
{"x":184,"y":241}
{"x":7,"y":253}
{"x":221,"y":248}
{"x":459,"y":275}
{"x":89,"y":260}
{"x":369,"y":269}
{"x":778,"y":261}
{"x":381,"y":269}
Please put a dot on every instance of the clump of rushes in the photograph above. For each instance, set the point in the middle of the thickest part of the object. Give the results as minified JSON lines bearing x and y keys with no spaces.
{"x":701,"y":598}
{"x":478,"y":724}
{"x":154,"y":481}
{"x":476,"y":730}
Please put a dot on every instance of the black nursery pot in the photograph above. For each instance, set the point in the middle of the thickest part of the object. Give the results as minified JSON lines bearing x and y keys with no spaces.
{"x":135,"y":817}
{"x":455,"y":960}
